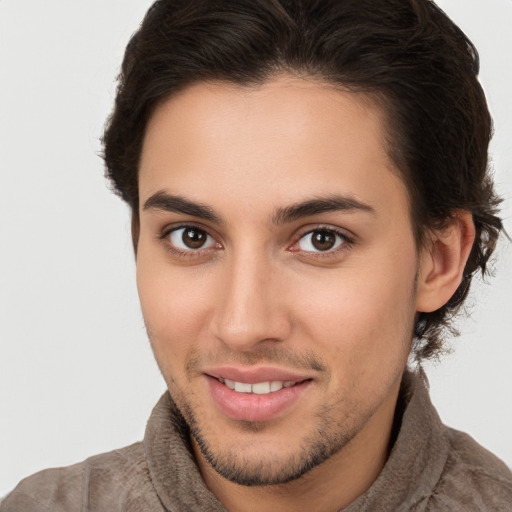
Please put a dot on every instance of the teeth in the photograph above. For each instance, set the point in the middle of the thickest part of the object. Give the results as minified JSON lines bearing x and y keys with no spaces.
{"x":243,"y":387}
{"x":259,"y":388}
{"x":276,"y":385}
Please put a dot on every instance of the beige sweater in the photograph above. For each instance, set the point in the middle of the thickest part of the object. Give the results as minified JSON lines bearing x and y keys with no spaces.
{"x":431,"y":468}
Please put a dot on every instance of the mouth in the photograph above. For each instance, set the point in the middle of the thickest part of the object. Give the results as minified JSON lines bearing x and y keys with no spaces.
{"x":258,"y":400}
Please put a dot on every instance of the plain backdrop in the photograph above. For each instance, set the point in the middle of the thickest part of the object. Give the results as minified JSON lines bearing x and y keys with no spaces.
{"x":77,"y":376}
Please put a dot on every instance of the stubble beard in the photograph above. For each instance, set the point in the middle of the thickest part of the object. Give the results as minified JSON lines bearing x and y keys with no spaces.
{"x":334,"y":426}
{"x":327,"y":438}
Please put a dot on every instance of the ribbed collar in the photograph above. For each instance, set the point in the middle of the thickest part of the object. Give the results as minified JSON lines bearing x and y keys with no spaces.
{"x":172,"y":466}
{"x":411,"y":473}
{"x":417,"y":459}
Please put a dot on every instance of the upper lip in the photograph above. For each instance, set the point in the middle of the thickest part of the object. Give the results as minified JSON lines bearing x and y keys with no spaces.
{"x":252,"y":375}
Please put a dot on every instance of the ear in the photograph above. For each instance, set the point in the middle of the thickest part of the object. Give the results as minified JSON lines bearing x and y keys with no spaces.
{"x":442,"y":262}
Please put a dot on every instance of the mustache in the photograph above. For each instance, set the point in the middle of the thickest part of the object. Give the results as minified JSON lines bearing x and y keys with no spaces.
{"x":266,"y":355}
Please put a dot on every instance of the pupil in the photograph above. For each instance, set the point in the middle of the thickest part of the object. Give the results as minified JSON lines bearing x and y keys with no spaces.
{"x":193,"y":238}
{"x":323,"y":240}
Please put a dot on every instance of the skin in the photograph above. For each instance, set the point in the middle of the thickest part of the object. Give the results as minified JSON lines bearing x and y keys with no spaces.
{"x":258,"y":293}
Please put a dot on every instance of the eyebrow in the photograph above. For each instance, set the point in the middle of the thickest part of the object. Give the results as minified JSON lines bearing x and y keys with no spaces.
{"x":332,"y":203}
{"x":178,"y":204}
{"x":173,"y":203}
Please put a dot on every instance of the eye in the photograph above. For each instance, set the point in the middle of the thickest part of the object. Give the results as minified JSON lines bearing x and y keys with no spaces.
{"x":190,"y":239}
{"x":321,"y":240}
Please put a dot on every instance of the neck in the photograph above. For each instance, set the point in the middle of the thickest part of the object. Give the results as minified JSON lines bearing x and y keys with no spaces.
{"x":329,"y":486}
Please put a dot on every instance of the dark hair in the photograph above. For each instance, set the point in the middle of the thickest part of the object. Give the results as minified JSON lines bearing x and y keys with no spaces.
{"x":406,"y":53}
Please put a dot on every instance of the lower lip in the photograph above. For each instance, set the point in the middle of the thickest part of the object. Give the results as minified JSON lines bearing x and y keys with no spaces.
{"x":253,"y":407}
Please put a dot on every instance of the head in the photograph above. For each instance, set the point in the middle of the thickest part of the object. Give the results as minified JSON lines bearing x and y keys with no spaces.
{"x":417,"y":65}
{"x":373,"y":111}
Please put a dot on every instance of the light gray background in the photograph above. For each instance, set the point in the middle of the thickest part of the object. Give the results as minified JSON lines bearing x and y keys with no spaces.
{"x":77,"y":376}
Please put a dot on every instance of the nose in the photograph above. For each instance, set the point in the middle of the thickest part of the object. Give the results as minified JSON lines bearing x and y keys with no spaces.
{"x":251,"y":308}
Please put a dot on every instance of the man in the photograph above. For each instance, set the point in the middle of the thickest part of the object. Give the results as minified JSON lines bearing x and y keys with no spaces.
{"x":309,"y":203}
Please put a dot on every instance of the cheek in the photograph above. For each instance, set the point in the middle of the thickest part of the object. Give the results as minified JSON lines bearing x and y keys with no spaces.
{"x":174,"y":306}
{"x":362,"y":316}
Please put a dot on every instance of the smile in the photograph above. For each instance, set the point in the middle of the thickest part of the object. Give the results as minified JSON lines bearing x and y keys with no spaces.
{"x":260,"y":400}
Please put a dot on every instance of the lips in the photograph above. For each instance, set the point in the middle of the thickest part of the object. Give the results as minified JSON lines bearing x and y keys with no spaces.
{"x":255,"y":394}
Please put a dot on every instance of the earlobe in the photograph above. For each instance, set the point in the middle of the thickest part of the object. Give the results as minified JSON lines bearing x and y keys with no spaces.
{"x":442,"y":262}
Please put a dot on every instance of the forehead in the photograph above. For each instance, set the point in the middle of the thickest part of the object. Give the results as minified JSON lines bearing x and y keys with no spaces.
{"x":282,"y":141}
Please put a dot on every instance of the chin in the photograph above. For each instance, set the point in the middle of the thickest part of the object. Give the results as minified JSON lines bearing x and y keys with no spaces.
{"x":254,"y":454}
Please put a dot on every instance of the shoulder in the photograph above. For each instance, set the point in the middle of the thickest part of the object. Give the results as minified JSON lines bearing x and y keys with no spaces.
{"x":117,"y":480}
{"x":473,"y":479}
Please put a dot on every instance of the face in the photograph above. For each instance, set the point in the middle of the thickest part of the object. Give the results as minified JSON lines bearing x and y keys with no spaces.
{"x":276,"y":270}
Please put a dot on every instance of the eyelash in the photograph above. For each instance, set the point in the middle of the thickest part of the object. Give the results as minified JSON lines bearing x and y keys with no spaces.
{"x":347,"y":242}
{"x":164,"y":237}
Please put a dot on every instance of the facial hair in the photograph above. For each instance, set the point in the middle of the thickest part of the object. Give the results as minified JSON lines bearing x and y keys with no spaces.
{"x":332,"y":432}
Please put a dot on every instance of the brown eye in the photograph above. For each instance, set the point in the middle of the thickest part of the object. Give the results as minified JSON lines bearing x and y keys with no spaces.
{"x":193,"y":238}
{"x":321,"y":240}
{"x":190,"y":239}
